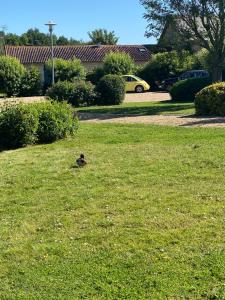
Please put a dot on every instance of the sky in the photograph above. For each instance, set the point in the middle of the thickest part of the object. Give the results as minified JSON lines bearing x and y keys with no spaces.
{"x":75,"y":18}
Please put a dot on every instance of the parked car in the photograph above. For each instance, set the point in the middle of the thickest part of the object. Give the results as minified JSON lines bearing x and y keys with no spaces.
{"x":135,"y":84}
{"x":168,"y":83}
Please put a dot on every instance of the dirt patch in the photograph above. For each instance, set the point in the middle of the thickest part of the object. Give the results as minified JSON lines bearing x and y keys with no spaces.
{"x":185,"y":121}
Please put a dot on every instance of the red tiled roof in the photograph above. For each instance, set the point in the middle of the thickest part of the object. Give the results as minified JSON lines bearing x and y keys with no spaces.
{"x":86,"y":53}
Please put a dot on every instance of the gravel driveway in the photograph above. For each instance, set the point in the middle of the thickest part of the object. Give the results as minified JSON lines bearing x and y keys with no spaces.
{"x":4,"y":101}
{"x":147,"y":97}
{"x":185,"y":121}
{"x":170,"y":120}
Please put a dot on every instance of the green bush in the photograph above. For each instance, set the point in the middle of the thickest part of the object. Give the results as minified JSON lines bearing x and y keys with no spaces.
{"x":65,"y":70}
{"x":25,"y":124}
{"x":62,"y":91}
{"x":84,"y":94}
{"x":166,"y":65}
{"x":18,"y":126}
{"x":77,"y":93}
{"x":95,"y":75}
{"x":56,"y":121}
{"x":185,"y":90}
{"x":111,"y":89}
{"x":31,"y":83}
{"x":11,"y":74}
{"x":210,"y":101}
{"x":118,"y":63}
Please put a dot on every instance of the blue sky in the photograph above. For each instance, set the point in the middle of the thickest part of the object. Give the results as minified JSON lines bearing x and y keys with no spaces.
{"x":75,"y":18}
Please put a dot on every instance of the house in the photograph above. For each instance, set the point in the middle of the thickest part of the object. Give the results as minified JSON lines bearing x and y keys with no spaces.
{"x":172,"y":37}
{"x":90,"y":55}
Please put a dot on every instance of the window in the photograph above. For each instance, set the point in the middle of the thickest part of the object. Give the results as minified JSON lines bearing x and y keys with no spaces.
{"x":142,"y":50}
{"x":126,"y":78}
{"x":130,"y":79}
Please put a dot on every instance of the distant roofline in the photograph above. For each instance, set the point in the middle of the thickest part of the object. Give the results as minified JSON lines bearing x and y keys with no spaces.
{"x":86,"y":53}
{"x":80,"y":45}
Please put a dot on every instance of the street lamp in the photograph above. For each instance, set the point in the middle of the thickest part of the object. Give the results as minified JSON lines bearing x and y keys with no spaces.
{"x":50,"y":25}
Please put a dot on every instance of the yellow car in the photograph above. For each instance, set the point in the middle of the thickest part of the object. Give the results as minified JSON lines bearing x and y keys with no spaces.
{"x":135,"y":84}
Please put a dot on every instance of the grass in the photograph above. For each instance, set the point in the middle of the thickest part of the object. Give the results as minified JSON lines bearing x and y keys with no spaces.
{"x":143,"y":220}
{"x":144,"y":108}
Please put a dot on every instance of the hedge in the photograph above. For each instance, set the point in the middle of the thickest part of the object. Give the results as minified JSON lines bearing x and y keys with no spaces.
{"x":185,"y":90}
{"x":26,"y":124}
{"x":211,"y":100}
{"x":78,"y":93}
{"x":111,"y":89}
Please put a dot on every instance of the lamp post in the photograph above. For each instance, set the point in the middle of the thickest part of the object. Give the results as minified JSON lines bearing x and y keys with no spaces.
{"x":50,"y":25}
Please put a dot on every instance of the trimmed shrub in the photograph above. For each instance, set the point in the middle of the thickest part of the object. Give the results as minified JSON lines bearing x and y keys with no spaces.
{"x":111,"y":89}
{"x":11,"y":74}
{"x":56,"y":121}
{"x":18,"y":126}
{"x":118,"y":63}
{"x":166,"y":65}
{"x":95,"y":75}
{"x":211,"y":100}
{"x":77,"y":93}
{"x":62,"y":91}
{"x":25,"y":124}
{"x":185,"y":90}
{"x":31,"y":83}
{"x":65,"y":70}
{"x":84,"y":94}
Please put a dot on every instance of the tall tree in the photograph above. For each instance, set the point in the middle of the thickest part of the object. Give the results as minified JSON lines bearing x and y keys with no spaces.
{"x":33,"y":37}
{"x":62,"y":40}
{"x":12,"y":39}
{"x":36,"y":38}
{"x":102,"y":36}
{"x":200,"y":20}
{"x":73,"y":41}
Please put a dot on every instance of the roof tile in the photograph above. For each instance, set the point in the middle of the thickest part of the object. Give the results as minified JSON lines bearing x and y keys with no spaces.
{"x":86,"y":53}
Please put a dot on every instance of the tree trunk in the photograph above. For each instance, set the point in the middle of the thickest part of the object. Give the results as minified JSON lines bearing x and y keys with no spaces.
{"x":217,"y":62}
{"x":217,"y":74}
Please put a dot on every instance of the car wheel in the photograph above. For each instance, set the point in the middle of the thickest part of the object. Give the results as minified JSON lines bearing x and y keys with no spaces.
{"x":139,"y":89}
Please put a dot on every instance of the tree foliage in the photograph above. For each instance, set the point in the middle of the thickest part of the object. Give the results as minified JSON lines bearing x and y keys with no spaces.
{"x":31,"y":84}
{"x":119,"y":63}
{"x":200,"y":20}
{"x":65,"y":70}
{"x":166,"y":65}
{"x":11,"y":74}
{"x":102,"y":36}
{"x":33,"y":37}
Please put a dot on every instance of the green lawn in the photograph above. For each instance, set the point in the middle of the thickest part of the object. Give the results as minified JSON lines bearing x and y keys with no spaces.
{"x":144,"y":108}
{"x":143,"y":220}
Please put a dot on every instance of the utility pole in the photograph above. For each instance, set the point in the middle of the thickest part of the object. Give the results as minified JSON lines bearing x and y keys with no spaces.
{"x":50,"y":25}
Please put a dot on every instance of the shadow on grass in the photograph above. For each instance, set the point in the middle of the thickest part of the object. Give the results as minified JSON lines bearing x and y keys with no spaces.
{"x":164,"y":107}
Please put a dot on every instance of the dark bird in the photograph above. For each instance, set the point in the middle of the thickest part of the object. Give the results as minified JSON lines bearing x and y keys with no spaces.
{"x":81,"y":162}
